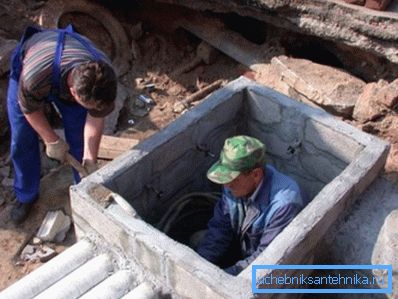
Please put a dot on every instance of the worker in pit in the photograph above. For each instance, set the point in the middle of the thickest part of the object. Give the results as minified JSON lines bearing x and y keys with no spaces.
{"x":257,"y":203}
{"x":64,"y":68}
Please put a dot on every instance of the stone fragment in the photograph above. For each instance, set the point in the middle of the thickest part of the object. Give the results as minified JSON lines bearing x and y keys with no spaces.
{"x":61,"y":235}
{"x":377,"y":4}
{"x":6,"y":48}
{"x":28,"y":252}
{"x":36,"y":241}
{"x":367,"y":107}
{"x":45,"y":253}
{"x":334,"y":90}
{"x":389,"y":95}
{"x":53,"y":223}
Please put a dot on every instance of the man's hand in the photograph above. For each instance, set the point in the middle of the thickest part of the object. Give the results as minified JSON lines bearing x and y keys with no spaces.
{"x":57,"y":150}
{"x":90,"y":165}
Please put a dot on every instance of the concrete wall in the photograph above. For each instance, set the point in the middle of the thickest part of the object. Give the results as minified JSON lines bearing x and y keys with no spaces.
{"x":332,"y":160}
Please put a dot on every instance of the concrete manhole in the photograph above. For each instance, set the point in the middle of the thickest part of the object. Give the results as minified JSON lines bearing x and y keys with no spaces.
{"x":333,"y":161}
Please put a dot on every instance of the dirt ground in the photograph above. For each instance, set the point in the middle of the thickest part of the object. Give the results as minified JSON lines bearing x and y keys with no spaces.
{"x":158,"y":53}
{"x":162,"y":53}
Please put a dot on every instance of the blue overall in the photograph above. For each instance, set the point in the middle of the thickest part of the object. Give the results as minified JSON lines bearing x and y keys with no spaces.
{"x":25,"y":152}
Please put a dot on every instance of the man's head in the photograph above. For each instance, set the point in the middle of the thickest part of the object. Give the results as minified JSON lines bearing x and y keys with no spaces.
{"x":93,"y":85}
{"x":240,"y":167}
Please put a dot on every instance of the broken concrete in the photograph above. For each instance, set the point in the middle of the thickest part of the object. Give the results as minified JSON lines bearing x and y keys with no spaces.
{"x":334,"y":90}
{"x":36,"y":252}
{"x":389,"y":95}
{"x":45,"y":253}
{"x":331,"y":160}
{"x":63,"y":230}
{"x":27,"y":252}
{"x":53,"y":224}
{"x":368,"y":106}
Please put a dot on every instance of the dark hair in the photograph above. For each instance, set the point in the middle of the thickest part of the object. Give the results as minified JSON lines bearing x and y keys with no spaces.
{"x":95,"y":80}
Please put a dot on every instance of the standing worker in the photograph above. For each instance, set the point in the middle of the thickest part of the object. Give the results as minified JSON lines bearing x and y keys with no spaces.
{"x":63,"y":68}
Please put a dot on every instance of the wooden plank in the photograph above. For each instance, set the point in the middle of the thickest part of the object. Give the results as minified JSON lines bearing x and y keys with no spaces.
{"x":111,"y":146}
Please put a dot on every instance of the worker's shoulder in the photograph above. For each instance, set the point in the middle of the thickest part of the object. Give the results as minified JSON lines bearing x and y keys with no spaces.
{"x":280,"y":180}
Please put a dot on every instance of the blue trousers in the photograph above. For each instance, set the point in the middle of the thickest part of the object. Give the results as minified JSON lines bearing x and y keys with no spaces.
{"x":25,"y":153}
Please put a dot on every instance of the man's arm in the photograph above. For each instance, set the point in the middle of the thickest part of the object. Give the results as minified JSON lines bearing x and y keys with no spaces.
{"x":280,"y":219}
{"x":92,"y":137}
{"x":40,"y":124}
{"x":219,"y":235}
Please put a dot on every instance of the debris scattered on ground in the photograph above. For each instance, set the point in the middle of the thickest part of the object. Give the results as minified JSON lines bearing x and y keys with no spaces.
{"x":184,"y":104}
{"x":37,"y":253}
{"x":27,"y":252}
{"x":45,"y":253}
{"x":54,"y":226}
{"x":36,"y":241}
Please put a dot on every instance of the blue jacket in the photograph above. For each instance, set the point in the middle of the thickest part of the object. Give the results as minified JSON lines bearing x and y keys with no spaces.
{"x":255,"y":222}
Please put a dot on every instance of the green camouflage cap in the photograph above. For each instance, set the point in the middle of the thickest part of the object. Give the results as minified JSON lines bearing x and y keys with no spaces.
{"x":239,"y":154}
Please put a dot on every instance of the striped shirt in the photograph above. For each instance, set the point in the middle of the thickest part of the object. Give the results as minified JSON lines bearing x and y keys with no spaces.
{"x":37,"y":67}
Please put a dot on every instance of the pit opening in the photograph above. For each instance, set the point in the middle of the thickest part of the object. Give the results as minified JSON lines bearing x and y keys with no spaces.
{"x":326,"y":156}
{"x":296,"y":145}
{"x":251,"y":29}
{"x":312,"y":49}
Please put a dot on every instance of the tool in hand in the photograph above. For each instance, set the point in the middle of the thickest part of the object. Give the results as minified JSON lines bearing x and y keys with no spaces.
{"x":76,"y":165}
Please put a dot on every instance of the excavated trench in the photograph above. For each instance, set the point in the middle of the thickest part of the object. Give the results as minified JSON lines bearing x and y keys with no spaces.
{"x":150,"y":42}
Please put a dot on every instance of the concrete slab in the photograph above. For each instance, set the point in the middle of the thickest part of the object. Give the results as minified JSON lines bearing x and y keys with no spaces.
{"x":334,"y":90}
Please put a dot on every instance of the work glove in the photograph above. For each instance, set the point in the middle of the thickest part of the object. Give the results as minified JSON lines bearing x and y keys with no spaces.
{"x":90,"y":165}
{"x":57,"y":150}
